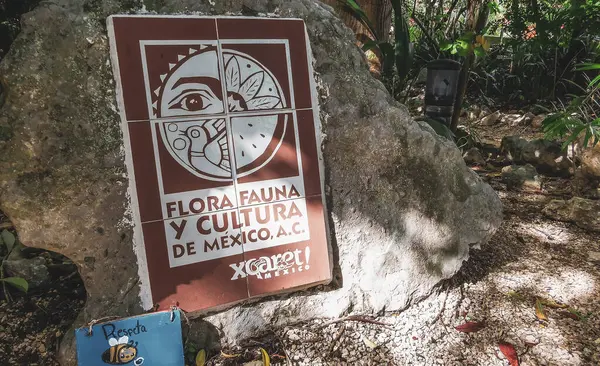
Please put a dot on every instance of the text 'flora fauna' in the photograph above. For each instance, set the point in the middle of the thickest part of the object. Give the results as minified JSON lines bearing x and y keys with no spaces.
{"x":199,"y":205}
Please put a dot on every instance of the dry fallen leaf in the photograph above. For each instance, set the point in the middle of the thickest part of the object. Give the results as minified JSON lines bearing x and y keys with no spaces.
{"x":508,"y":350}
{"x":227,"y":355}
{"x":201,"y":358}
{"x":539,"y":310}
{"x":470,"y":327}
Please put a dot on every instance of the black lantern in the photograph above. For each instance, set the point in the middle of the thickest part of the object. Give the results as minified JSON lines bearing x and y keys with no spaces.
{"x":442,"y":80}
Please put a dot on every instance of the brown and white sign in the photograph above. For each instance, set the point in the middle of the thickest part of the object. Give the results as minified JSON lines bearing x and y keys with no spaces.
{"x":222,"y":144}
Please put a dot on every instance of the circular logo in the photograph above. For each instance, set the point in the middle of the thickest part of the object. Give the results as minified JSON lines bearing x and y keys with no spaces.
{"x":230,"y":129}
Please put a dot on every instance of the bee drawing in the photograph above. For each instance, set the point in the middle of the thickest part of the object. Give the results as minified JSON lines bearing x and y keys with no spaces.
{"x":120,"y":352}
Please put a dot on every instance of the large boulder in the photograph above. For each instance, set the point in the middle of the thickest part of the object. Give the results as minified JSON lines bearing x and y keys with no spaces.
{"x":521,"y":177}
{"x":546,"y":156}
{"x":404,"y":208}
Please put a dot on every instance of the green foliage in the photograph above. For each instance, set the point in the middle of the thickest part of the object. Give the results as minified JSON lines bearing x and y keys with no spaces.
{"x":563,"y":124}
{"x":579,"y":119}
{"x":402,"y":55}
{"x":466,"y":43}
{"x":528,"y":51}
{"x":541,"y":42}
{"x":11,"y":243}
{"x":8,"y":239}
{"x":17,"y":282}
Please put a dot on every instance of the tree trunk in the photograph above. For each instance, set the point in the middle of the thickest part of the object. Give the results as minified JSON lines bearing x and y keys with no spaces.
{"x":477,"y":13}
{"x":379,"y":12}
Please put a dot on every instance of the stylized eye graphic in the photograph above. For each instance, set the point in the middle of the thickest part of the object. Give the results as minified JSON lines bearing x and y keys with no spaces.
{"x":194,"y":100}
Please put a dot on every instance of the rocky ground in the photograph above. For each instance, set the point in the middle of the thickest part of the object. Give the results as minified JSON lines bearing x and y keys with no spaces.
{"x":533,"y":259}
{"x":33,"y":323}
{"x":534,"y":286}
{"x":530,"y":258}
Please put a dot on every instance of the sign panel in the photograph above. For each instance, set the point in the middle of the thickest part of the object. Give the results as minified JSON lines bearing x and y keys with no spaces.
{"x":222,"y":144}
{"x":151,"y":339}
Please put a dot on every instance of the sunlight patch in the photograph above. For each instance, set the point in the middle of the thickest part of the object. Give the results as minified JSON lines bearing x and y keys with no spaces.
{"x":565,"y":285}
{"x":548,"y":232}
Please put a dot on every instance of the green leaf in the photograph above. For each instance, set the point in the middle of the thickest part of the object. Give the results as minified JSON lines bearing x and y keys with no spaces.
{"x":17,"y":282}
{"x":467,"y":37}
{"x":595,"y":81}
{"x":462,"y":51}
{"x":587,"y":66}
{"x":573,"y":136}
{"x":403,"y":57}
{"x":479,"y":52}
{"x":201,"y":358}
{"x":445,"y":45}
{"x":9,"y":239}
{"x":574,"y":84}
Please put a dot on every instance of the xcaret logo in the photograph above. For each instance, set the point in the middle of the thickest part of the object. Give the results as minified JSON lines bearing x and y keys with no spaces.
{"x":274,"y":266}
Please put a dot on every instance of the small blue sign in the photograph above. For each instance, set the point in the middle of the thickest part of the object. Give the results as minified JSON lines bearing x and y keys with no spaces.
{"x":150,"y":340}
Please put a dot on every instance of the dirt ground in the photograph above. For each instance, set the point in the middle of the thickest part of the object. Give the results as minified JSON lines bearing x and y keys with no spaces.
{"x":531,"y":259}
{"x":32,"y":324}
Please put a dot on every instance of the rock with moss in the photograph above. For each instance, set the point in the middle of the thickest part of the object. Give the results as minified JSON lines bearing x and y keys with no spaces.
{"x":404,"y":209}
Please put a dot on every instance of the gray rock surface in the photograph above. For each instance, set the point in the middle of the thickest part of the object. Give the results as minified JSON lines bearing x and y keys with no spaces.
{"x":521,"y":177}
{"x":404,"y":208}
{"x":491,"y":119}
{"x":34,"y":270}
{"x":546,"y":156}
{"x":586,"y":181}
{"x":474,"y":157}
{"x":536,"y":122}
{"x":590,"y":162}
{"x":582,"y":212}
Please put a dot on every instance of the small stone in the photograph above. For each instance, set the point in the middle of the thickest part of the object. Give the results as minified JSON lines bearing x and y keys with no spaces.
{"x":525,"y":119}
{"x":546,"y":156}
{"x":521,"y":177}
{"x":531,"y":340}
{"x":536,"y":122}
{"x":473,"y":157}
{"x":491,"y":119}
{"x":42,"y":348}
{"x":34,"y":270}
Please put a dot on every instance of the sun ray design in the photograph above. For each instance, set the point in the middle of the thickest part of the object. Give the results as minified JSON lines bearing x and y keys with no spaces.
{"x":193,"y":87}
